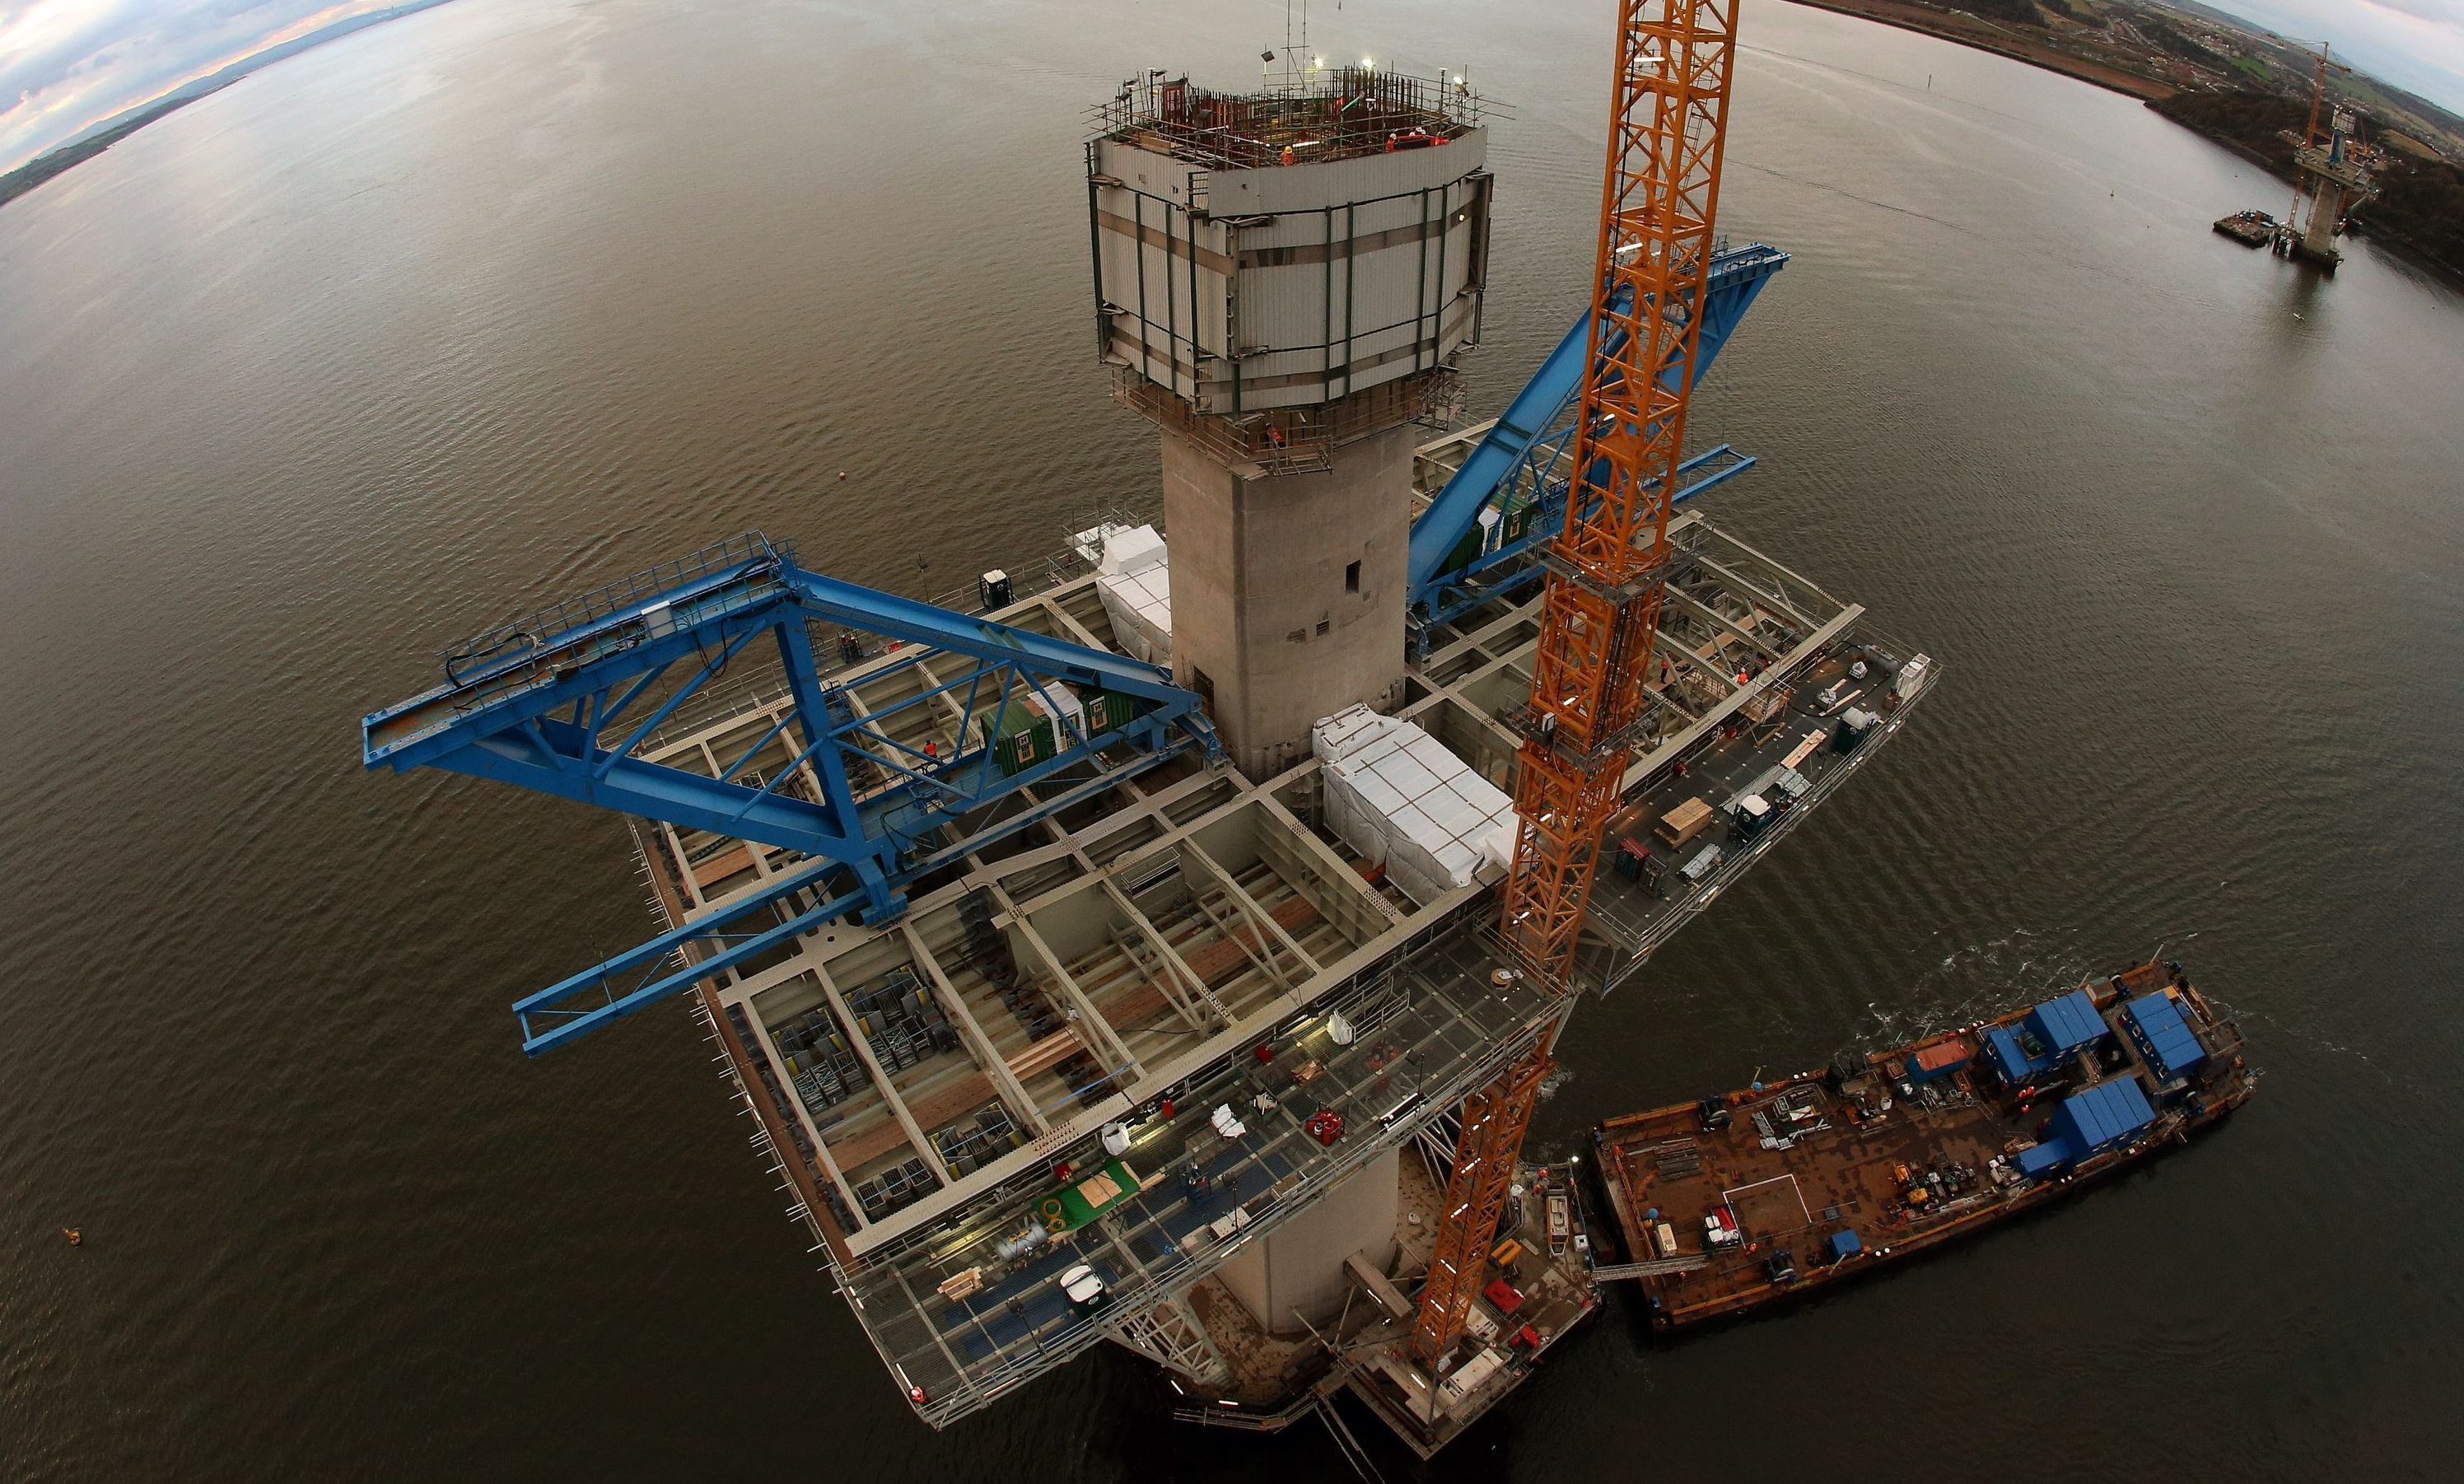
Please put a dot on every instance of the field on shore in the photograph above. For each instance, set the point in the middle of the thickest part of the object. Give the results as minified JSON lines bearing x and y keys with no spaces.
{"x":1969,"y":30}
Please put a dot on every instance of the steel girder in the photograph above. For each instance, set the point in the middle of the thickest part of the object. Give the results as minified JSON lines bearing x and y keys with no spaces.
{"x":1532,"y":435}
{"x":563,"y":702}
{"x":1496,"y":574}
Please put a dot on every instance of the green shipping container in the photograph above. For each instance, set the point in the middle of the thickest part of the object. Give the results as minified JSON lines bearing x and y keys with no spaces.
{"x":1513,"y":528}
{"x":1024,"y":739}
{"x":1466,"y":551}
{"x":1109,"y":711}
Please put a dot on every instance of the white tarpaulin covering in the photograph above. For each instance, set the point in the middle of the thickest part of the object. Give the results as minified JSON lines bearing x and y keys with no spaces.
{"x":1394,"y":794}
{"x":1134,"y":582}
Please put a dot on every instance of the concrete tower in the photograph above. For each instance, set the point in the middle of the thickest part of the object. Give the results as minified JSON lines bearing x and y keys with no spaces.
{"x":1282,"y":281}
{"x":2338,"y":184}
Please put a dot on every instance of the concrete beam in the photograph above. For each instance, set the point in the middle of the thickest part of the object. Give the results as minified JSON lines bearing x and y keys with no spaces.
{"x":1704,"y":664}
{"x":1138,"y":951}
{"x":1140,"y":923}
{"x":1256,"y":953}
{"x":1071,"y":991}
{"x":1335,"y":873}
{"x":1249,"y":905}
{"x":1737,"y":554}
{"x":1069,"y":621}
{"x":1706,"y":611}
{"x":880,"y":1075}
{"x":979,"y":1045}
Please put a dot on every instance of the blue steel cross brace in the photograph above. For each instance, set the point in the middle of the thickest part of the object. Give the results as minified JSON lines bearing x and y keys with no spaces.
{"x":1532,"y":434}
{"x":561,"y":702}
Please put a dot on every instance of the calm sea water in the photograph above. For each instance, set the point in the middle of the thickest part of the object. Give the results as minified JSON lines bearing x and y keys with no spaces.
{"x":392,"y":337}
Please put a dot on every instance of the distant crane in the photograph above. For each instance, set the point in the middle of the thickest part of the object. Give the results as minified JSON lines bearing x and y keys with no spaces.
{"x":1607,"y":571}
{"x":2310,"y":130}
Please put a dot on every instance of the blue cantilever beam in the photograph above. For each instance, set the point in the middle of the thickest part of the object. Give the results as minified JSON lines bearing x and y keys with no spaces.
{"x":561,"y":704}
{"x":1498,"y":573}
{"x":1522,"y":437}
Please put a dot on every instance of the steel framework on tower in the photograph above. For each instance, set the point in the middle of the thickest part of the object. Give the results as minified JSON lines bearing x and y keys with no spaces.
{"x":859,"y":801}
{"x":1524,"y":454}
{"x":1607,"y":569}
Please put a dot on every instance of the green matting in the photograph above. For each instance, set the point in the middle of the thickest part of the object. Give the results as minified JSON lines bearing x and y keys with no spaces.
{"x":1072,"y":1205}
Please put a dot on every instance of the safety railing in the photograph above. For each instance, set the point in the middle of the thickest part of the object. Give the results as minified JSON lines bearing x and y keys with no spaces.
{"x":1295,"y":440}
{"x":561,"y":617}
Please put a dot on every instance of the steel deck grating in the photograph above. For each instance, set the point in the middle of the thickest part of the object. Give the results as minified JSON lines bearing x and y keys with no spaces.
{"x":1441,"y":1029}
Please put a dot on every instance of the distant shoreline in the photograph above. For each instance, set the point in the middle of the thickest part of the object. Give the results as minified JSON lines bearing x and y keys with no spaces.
{"x":2420,"y":207}
{"x":67,"y":157}
{"x":1933,"y":24}
{"x":60,"y":158}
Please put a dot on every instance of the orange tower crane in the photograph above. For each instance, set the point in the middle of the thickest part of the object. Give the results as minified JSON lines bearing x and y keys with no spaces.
{"x":1667,"y":119}
{"x":2310,"y":130}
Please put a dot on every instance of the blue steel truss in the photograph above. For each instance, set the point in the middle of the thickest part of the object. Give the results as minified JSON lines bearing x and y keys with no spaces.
{"x":1521,"y":455}
{"x":561,"y":702}
{"x":1498,"y":572}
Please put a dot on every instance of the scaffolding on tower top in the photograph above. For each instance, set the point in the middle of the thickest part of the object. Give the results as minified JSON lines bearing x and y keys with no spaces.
{"x":1315,"y":113}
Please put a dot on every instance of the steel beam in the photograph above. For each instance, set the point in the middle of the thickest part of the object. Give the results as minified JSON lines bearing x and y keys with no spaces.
{"x":1709,"y":614}
{"x":1736,"y":278}
{"x":980,"y":1043}
{"x":529,"y":704}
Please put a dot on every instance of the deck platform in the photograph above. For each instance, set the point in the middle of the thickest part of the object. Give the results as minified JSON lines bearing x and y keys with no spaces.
{"x":921,"y":1086}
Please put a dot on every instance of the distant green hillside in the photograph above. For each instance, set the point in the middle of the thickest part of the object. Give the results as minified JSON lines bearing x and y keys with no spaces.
{"x":43,"y":167}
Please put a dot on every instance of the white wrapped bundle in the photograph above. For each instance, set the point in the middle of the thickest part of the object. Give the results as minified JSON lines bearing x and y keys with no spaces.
{"x":1399,"y":798}
{"x":1133,"y":549}
{"x":1135,"y":586}
{"x":1336,"y":736}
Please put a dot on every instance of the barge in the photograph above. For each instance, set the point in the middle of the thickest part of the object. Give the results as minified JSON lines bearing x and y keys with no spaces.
{"x":1735,"y":1202}
{"x":2250,"y":228}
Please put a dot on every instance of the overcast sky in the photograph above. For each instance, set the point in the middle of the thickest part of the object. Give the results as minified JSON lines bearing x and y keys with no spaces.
{"x":66,"y":65}
{"x":2416,"y":44}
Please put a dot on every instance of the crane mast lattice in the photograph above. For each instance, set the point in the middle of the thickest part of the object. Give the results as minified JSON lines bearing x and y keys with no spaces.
{"x":1590,"y":699}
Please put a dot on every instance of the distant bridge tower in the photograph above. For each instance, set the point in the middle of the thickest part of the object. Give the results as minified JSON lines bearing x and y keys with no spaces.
{"x":2338,"y":184}
{"x":1283,"y":282}
{"x":2328,"y":170}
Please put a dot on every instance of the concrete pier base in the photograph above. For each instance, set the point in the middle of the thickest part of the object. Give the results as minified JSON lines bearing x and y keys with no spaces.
{"x":1296,"y":1274}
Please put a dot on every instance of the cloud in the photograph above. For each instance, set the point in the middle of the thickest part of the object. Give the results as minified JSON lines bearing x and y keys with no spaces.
{"x":72,"y":64}
{"x":2414,"y":44}
{"x":2446,"y":11}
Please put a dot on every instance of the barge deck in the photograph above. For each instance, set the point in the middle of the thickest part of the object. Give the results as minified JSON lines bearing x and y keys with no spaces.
{"x":1732,"y":1202}
{"x":2250,"y":228}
